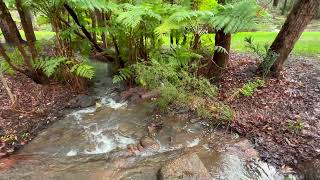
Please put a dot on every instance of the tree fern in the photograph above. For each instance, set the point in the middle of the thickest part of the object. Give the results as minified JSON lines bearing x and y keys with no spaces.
{"x":132,"y":15}
{"x":49,"y":65}
{"x":83,"y":70}
{"x":237,"y":16}
{"x":123,"y":74}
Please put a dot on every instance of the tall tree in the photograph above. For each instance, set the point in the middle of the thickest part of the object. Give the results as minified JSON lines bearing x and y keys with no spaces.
{"x":284,"y":7}
{"x":275,"y":3}
{"x":6,"y":30}
{"x":6,"y":16}
{"x":298,"y":19}
{"x":26,"y":22}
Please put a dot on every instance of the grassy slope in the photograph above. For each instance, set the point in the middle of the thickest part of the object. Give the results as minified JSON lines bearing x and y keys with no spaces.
{"x":308,"y":44}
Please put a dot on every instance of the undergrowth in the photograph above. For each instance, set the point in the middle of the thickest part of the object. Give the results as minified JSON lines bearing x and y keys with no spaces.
{"x":172,"y":72}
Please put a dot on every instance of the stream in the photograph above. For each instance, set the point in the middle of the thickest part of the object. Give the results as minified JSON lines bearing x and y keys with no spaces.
{"x":91,"y":143}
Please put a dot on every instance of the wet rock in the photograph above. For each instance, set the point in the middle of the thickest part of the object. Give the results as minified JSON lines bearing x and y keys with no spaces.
{"x":149,"y":143}
{"x":185,"y":167}
{"x":311,"y":170}
{"x":82,"y":101}
{"x":245,"y":149}
{"x":113,"y":155}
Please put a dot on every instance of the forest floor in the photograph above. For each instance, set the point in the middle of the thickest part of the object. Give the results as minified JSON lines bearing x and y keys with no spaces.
{"x":37,"y":106}
{"x":282,"y":118}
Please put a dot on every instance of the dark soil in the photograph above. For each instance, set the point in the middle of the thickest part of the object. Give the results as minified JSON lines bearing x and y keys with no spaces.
{"x":281,"y":119}
{"x":36,"y":107}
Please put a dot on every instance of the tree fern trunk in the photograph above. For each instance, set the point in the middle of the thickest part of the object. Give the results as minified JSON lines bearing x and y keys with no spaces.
{"x":275,"y":3}
{"x":28,"y":28}
{"x":196,"y":41}
{"x":284,"y":7}
{"x":94,"y":25}
{"x":220,"y":59}
{"x":102,"y":24}
{"x":7,"y":31}
{"x":6,"y":16}
{"x":298,"y":19}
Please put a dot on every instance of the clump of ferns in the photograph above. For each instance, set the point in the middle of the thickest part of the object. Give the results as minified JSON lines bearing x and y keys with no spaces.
{"x":73,"y":72}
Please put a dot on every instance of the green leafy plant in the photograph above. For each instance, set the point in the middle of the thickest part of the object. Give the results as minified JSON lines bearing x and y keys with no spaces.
{"x":267,"y":58}
{"x":49,"y":65}
{"x":83,"y":70}
{"x":295,"y":127}
{"x":249,"y":88}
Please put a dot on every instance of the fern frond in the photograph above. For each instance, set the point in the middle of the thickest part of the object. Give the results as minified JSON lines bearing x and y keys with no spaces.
{"x":220,"y":49}
{"x":236,"y":17}
{"x":83,"y":70}
{"x":123,"y":74}
{"x":49,"y":65}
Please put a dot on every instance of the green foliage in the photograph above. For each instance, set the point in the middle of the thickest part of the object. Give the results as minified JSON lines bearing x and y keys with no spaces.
{"x":249,"y":88}
{"x":267,"y":58}
{"x":49,"y":65}
{"x":16,"y":59}
{"x":226,"y":114}
{"x":52,"y":65}
{"x":295,"y":127}
{"x":236,"y":16}
{"x":171,"y":72}
{"x":206,"y":4}
{"x":123,"y":74}
{"x":133,"y":16}
{"x":267,"y":62}
{"x":83,"y":70}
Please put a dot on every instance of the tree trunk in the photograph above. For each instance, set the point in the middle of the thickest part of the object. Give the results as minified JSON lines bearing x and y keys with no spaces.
{"x":102,"y":24}
{"x":275,"y":3}
{"x":284,"y":7}
{"x":83,"y":29}
{"x":6,"y":31}
{"x":5,"y":14}
{"x":298,"y":19}
{"x":196,"y":41}
{"x":28,"y":28}
{"x":220,"y":59}
{"x":94,"y":25}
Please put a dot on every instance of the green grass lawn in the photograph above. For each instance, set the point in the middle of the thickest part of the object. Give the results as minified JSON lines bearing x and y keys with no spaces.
{"x":307,"y":45}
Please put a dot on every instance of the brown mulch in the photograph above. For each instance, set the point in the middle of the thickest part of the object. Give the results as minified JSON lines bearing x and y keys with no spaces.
{"x":283,"y":118}
{"x":36,"y":107}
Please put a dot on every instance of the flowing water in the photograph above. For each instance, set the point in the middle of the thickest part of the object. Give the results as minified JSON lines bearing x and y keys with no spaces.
{"x":85,"y":145}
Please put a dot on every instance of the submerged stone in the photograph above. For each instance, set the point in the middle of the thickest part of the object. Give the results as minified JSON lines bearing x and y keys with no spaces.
{"x":185,"y":167}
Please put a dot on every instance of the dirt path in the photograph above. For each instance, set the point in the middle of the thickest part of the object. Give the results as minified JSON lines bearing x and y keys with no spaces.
{"x":283,"y":118}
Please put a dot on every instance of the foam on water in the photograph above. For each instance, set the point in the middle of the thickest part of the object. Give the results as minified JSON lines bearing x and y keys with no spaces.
{"x":112,"y":103}
{"x":80,"y":113}
{"x":72,"y":152}
{"x":193,"y":142}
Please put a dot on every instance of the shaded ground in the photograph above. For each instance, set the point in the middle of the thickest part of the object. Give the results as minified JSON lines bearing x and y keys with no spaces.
{"x":283,"y":118}
{"x":37,"y":106}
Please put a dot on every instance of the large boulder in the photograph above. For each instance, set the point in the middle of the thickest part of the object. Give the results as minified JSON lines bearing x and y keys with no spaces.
{"x":188,"y":166}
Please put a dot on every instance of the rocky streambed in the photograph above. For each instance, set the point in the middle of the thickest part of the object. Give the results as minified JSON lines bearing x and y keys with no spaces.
{"x":119,"y":140}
